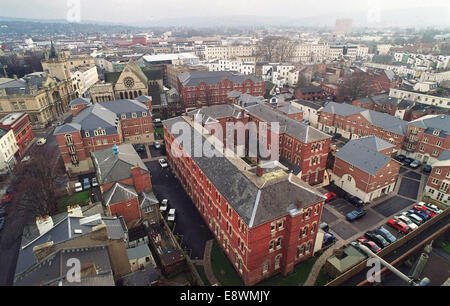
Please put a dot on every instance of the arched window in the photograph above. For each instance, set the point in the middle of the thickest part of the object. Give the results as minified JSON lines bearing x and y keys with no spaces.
{"x":121,"y":95}
{"x":69,"y":139}
{"x":308,"y":247}
{"x":135,"y":94}
{"x":305,"y":231}
{"x":301,"y":251}
{"x":277,"y":261}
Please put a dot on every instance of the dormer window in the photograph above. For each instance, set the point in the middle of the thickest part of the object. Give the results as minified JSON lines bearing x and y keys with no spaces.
{"x":436,"y":133}
{"x":134,"y":115}
{"x":87,"y":134}
{"x":123,"y":116}
{"x":144,"y":114}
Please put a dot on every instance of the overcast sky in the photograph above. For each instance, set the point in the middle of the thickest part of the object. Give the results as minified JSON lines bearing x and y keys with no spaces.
{"x":130,"y":11}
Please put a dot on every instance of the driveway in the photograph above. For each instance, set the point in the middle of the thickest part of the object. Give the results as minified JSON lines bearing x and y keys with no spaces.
{"x":409,"y":188}
{"x":189,"y":222}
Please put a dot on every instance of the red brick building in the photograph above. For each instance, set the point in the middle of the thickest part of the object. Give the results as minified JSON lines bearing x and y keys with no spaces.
{"x":439,"y":181}
{"x":20,"y":124}
{"x":101,"y":125}
{"x":302,"y":148}
{"x":259,"y":238}
{"x":427,"y":138}
{"x":364,"y":168}
{"x":355,"y":122}
{"x":122,"y":177}
{"x":212,"y":87}
{"x":312,"y":93}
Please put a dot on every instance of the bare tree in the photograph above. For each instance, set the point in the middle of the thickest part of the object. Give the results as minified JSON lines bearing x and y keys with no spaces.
{"x":36,"y":185}
{"x":355,"y":86}
{"x":275,"y":49}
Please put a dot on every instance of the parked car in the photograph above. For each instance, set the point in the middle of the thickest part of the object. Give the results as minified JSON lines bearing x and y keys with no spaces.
{"x":356,"y":214}
{"x":163,"y":163}
{"x":421,"y":214}
{"x":7,"y":198}
{"x":347,"y":197}
{"x":330,"y":196}
{"x":432,"y":207}
{"x":377,"y":238}
{"x":370,"y":244}
{"x":2,"y":222}
{"x":424,"y":209}
{"x":415,"y":164}
{"x":386,"y":234}
{"x":41,"y":141}
{"x":157,"y":145}
{"x":400,"y":157}
{"x":2,"y":212}
{"x":328,"y":239}
{"x":324,"y":226}
{"x":171,"y":216}
{"x":399,"y":225}
{"x":356,"y":201}
{"x":407,"y":221}
{"x":336,"y":135}
{"x":94,"y":182}
{"x":139,"y":147}
{"x":163,"y":205}
{"x":86,"y":184}
{"x":427,"y":169}
{"x":78,"y":187}
{"x":407,"y":161}
{"x":413,"y":217}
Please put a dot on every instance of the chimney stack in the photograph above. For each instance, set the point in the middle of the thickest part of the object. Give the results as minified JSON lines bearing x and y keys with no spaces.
{"x":74,"y":211}
{"x":44,"y":224}
{"x":259,"y":171}
{"x":299,"y":203}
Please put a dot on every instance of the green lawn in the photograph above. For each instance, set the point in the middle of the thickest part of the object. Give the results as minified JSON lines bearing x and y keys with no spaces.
{"x":322,"y":278}
{"x":222,"y":268}
{"x":160,"y":132}
{"x":297,"y":277}
{"x":201,"y":272}
{"x":81,"y":198}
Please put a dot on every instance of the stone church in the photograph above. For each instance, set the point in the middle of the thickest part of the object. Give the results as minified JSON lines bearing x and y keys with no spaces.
{"x":130,"y":83}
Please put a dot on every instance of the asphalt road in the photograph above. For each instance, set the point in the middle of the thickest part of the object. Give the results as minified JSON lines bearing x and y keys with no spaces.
{"x":189,"y":222}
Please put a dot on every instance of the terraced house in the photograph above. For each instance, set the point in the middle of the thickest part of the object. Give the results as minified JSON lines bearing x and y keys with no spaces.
{"x":266,"y":220}
{"x":439,"y":181}
{"x":101,"y":125}
{"x":355,"y":122}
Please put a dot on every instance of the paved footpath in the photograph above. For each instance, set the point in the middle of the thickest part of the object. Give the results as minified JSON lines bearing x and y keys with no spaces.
{"x":206,"y":263}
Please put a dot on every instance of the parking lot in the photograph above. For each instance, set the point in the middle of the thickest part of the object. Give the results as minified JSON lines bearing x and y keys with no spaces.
{"x":188,"y":223}
{"x":393,"y":205}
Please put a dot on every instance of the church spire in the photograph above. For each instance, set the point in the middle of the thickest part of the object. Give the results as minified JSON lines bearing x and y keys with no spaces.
{"x":53,"y":54}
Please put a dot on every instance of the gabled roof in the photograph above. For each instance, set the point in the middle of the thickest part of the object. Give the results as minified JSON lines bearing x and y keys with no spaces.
{"x":433,"y":122}
{"x":112,"y":167}
{"x":193,"y":78}
{"x":363,"y":157}
{"x":374,"y":143}
{"x":255,"y":203}
{"x":79,"y":101}
{"x":118,"y":193}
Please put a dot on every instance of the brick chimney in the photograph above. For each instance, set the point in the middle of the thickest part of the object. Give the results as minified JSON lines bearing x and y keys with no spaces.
{"x":299,"y":203}
{"x":74,"y":211}
{"x":259,"y":171}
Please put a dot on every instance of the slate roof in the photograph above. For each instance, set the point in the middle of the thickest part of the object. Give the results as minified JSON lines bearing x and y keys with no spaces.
{"x":148,"y":199}
{"x":53,"y":267}
{"x":445,"y":155}
{"x":140,"y":251}
{"x":362,"y":157}
{"x":294,"y":128}
{"x":64,"y":230}
{"x":374,"y":143}
{"x":434,"y":122}
{"x":125,"y":107}
{"x":308,"y":104}
{"x":143,"y":99}
{"x":193,"y":78}
{"x":113,"y":168}
{"x":217,"y":112}
{"x":79,"y":101}
{"x":289,"y":109}
{"x":385,"y":121}
{"x":253,"y":203}
{"x":118,"y":193}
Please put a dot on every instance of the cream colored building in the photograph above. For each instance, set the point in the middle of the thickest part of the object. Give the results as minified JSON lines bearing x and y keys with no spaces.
{"x":42,"y":97}
{"x":229,"y":52}
{"x":8,"y":148}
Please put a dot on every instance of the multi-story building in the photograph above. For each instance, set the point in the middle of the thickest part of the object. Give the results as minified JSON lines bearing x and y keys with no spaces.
{"x":312,"y":93}
{"x":19,"y":123}
{"x":83,"y":78}
{"x":364,"y":168}
{"x":229,"y":52}
{"x":123,"y":179}
{"x":310,"y":111}
{"x":237,"y":202}
{"x":8,"y":149}
{"x":99,"y":126}
{"x":207,"y":88}
{"x":439,"y":181}
{"x":427,"y":138}
{"x":43,"y":97}
{"x":434,"y":100}
{"x":355,"y":122}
